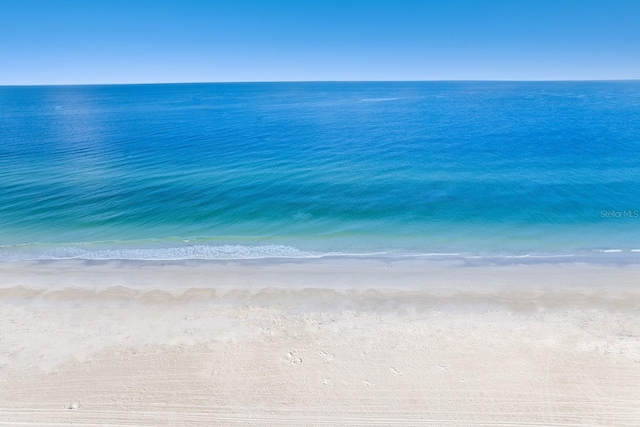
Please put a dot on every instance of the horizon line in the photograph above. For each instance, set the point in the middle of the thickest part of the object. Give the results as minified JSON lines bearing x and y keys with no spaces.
{"x":324,"y":81}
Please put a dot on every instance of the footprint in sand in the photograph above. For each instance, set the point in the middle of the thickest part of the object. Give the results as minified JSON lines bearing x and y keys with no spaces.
{"x":326,"y":357}
{"x":291,"y":358}
{"x":394,"y":371}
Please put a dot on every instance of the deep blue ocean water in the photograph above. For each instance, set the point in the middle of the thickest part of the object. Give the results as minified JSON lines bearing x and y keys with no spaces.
{"x":305,"y":169}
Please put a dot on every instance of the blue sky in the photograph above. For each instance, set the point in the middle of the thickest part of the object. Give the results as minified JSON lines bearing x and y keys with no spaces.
{"x":135,"y":41}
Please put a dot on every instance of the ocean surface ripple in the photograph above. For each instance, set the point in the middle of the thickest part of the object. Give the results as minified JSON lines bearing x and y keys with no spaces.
{"x":252,"y":170}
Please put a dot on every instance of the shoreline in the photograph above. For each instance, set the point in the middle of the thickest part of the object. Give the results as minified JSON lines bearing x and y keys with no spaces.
{"x":397,"y":273}
{"x":206,"y":251}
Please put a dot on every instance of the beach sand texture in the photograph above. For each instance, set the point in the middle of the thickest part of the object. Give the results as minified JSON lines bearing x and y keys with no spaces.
{"x":318,"y":342}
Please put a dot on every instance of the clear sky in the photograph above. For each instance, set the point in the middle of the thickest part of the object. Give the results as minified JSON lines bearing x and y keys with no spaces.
{"x":134,"y":41}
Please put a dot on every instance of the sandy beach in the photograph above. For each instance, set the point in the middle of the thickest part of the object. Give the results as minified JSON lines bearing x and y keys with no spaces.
{"x":319,"y":342}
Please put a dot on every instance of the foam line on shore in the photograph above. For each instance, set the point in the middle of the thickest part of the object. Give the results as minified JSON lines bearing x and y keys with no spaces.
{"x":325,"y":273}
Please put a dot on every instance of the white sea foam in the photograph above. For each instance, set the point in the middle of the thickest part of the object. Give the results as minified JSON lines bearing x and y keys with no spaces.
{"x":212,"y":252}
{"x":106,"y":251}
{"x":181,"y":252}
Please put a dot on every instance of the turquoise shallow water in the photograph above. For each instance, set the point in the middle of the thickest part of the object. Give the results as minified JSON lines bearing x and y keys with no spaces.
{"x":306,"y":169}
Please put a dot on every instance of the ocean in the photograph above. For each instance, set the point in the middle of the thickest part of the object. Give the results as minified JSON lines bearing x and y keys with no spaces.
{"x":262,"y":170}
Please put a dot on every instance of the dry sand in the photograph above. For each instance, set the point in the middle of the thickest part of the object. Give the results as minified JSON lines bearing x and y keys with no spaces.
{"x":319,"y":342}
